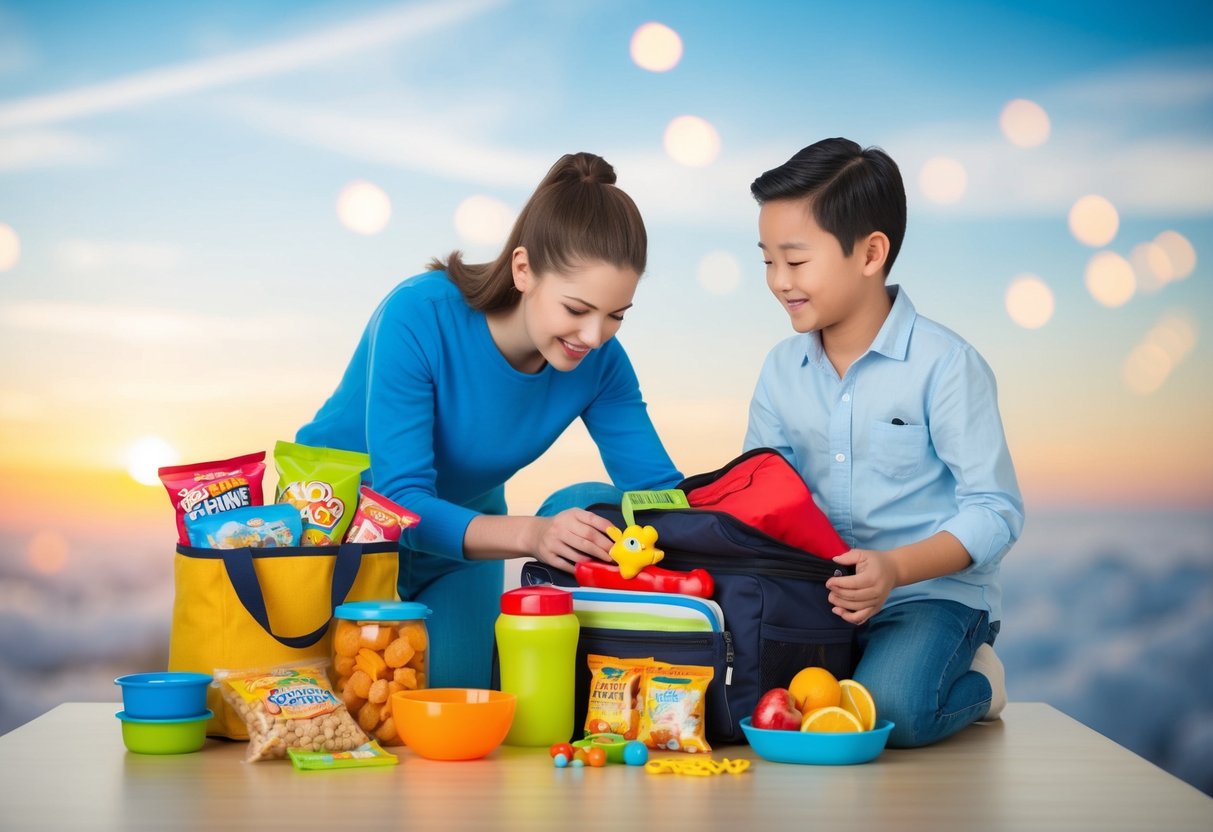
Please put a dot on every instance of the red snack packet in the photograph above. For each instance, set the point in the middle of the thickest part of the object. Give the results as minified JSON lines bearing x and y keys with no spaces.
{"x":378,"y":519}
{"x":198,"y":489}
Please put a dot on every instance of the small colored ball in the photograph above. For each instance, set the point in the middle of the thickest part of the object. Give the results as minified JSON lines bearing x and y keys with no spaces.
{"x":560,"y":760}
{"x":562,"y":748}
{"x":635,"y":753}
{"x":577,"y":763}
{"x":596,"y":757}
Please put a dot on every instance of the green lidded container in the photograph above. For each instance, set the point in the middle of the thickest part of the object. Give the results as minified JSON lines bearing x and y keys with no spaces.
{"x":537,"y":653}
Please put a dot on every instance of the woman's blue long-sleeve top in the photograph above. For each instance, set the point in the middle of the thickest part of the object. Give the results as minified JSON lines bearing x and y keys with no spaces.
{"x":447,"y":421}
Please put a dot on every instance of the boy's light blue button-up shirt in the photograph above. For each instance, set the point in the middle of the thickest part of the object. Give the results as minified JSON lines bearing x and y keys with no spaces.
{"x":907,"y":443}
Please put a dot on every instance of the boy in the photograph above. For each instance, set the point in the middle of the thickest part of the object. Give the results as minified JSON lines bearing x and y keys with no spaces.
{"x":893,"y":422}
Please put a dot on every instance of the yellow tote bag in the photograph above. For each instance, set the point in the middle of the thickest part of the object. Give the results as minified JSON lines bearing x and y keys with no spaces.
{"x":237,"y":609}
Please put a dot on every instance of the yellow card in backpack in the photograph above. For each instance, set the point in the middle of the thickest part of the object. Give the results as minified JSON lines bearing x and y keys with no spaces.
{"x":245,"y":608}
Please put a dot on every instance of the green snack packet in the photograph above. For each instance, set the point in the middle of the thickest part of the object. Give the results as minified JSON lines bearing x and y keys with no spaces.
{"x":367,"y":754}
{"x":323,"y":484}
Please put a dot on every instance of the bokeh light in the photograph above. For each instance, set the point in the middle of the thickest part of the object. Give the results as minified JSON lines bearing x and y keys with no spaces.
{"x":47,"y":553}
{"x":10,"y":247}
{"x":1175,"y":335}
{"x":1146,"y":368}
{"x":364,"y":208}
{"x":484,"y":220}
{"x":1094,"y":220}
{"x":1029,"y":301}
{"x":1110,"y":279}
{"x":656,"y":47}
{"x":719,"y":272}
{"x":1025,"y":123}
{"x":943,"y":180}
{"x":148,"y":454}
{"x":1151,"y":265}
{"x":1179,"y":251}
{"x":1166,"y":344}
{"x":692,"y":141}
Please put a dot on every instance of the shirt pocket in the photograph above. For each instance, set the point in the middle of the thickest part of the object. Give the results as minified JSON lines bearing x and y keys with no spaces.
{"x":898,"y":451}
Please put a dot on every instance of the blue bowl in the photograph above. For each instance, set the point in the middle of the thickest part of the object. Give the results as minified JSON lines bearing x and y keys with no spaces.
{"x":166,"y":695}
{"x":813,"y":748}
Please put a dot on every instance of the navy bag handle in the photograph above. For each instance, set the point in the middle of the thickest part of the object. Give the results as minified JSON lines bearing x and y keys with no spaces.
{"x":239,"y":565}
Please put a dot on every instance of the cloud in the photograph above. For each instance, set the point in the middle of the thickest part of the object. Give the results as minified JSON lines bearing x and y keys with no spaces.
{"x":424,"y":142}
{"x":17,"y":53}
{"x":436,"y":144}
{"x":1148,"y":87}
{"x":1125,"y":134}
{"x":146,"y":325}
{"x":47,"y":148}
{"x":398,"y":24}
{"x":96,"y":255}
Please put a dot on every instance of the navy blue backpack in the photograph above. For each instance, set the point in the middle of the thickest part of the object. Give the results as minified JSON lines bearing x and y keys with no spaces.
{"x":777,"y":619}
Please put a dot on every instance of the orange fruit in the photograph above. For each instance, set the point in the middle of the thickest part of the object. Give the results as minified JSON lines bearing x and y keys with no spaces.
{"x":857,"y":700}
{"x":813,"y":688}
{"x":830,"y":720}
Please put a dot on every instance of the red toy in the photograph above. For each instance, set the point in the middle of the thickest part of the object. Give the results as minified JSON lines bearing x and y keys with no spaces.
{"x":595,"y":573}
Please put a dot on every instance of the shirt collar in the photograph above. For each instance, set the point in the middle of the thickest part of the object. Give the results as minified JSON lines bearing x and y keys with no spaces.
{"x":893,"y":339}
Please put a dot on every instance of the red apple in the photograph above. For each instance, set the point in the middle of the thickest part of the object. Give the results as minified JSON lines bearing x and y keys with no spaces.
{"x":777,"y":709}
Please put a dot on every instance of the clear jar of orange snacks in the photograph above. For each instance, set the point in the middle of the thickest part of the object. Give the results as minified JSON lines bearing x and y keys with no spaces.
{"x":379,"y":647}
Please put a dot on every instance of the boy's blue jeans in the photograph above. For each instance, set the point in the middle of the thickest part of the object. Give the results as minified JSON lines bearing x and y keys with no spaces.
{"x":915,"y":663}
{"x":465,"y":596}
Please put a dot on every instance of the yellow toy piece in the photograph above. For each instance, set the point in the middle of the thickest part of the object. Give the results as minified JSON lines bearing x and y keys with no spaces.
{"x":696,"y":766}
{"x":634,"y":549}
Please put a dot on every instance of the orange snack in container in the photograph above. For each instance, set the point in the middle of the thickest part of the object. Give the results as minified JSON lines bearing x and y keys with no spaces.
{"x":379,"y":648}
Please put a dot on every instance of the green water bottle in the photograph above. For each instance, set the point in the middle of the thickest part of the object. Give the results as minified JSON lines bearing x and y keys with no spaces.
{"x":537,"y":653}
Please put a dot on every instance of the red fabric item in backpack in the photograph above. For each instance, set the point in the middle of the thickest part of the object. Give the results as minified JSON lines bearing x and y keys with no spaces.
{"x":762,"y":489}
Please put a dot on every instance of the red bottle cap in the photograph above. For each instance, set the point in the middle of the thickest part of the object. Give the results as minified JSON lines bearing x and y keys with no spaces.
{"x":537,"y":600}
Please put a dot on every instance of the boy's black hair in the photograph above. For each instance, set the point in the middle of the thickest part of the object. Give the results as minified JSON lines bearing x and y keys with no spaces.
{"x":851,"y":191}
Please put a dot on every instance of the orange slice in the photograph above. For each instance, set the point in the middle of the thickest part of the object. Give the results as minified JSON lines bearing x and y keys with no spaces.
{"x":856,"y":699}
{"x":831,"y":720}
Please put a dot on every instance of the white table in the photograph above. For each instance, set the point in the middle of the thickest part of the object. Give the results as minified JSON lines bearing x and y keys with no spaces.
{"x":1037,"y":770}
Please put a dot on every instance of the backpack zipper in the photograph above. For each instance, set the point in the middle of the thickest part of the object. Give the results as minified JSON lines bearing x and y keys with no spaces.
{"x":813,"y":570}
{"x":697,"y":641}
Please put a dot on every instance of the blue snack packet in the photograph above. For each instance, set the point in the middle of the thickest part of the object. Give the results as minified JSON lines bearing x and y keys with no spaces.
{"x":257,"y":527}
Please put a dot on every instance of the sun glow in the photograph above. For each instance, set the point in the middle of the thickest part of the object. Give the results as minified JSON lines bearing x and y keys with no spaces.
{"x":146,"y":456}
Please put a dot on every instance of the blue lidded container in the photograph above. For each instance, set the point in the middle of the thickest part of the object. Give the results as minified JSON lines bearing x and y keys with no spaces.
{"x":164,"y":695}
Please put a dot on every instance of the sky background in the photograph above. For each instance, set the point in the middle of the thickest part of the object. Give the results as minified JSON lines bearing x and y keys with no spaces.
{"x":202,"y":203}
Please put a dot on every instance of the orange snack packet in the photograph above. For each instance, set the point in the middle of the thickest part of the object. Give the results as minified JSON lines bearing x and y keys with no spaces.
{"x":615,"y":695}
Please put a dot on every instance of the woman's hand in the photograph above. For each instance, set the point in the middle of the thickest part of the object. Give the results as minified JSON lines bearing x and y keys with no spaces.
{"x":858,"y":597}
{"x":570,"y":537}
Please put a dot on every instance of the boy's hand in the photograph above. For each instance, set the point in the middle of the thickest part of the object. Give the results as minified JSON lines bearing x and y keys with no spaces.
{"x":858,"y":597}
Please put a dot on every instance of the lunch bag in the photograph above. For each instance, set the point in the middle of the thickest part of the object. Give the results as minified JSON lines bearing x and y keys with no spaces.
{"x":777,"y":619}
{"x":238,"y":609}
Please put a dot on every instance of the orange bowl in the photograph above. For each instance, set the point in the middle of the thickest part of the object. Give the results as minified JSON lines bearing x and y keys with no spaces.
{"x":453,"y":723}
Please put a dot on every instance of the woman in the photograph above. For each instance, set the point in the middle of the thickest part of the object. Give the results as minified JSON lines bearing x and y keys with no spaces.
{"x":469,"y":372}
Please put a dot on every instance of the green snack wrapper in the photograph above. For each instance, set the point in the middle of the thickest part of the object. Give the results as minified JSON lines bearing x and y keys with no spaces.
{"x":367,"y":754}
{"x":323,"y":484}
